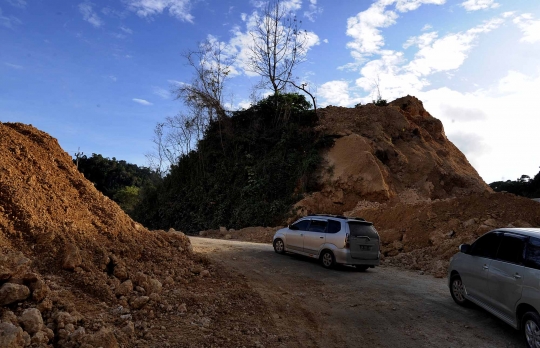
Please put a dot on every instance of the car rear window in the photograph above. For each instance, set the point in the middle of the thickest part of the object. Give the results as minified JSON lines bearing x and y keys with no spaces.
{"x":362,"y":229}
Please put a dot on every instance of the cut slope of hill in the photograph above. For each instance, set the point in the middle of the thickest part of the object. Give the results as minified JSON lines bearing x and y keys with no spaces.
{"x":76,"y":271}
{"x":397,"y":152}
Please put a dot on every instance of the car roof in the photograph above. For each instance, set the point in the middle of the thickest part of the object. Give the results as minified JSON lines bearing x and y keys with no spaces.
{"x":528,"y":231}
{"x":348,"y":218}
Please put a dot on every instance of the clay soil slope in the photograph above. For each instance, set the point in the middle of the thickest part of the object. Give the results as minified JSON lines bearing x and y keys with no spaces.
{"x":76,"y":271}
{"x":397,"y":152}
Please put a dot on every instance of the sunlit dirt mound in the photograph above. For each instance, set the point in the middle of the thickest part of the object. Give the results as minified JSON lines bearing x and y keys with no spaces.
{"x":76,"y":271}
{"x":425,"y":235}
{"x":395,"y":152}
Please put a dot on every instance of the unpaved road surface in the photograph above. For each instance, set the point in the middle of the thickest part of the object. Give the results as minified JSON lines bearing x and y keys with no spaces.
{"x":383,"y":307}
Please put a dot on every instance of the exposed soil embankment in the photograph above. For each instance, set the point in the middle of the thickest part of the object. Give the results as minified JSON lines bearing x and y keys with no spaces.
{"x":76,"y":271}
{"x":389,"y":153}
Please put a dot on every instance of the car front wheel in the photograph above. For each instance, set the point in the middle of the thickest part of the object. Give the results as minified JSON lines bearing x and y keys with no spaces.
{"x":457,"y":290}
{"x":531,"y":329}
{"x":279,"y":247}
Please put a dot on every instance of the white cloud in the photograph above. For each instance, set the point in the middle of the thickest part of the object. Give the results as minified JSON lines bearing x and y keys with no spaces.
{"x":313,"y":11}
{"x":162,"y":92}
{"x":148,"y":8}
{"x":365,"y":27}
{"x":336,"y":93}
{"x":325,"y":40}
{"x":8,"y":22}
{"x":504,"y":120}
{"x":126,"y":30}
{"x":427,"y":27}
{"x":89,"y":15}
{"x":448,"y":52}
{"x":14,"y":66}
{"x":475,"y":5}
{"x":529,"y":27}
{"x":421,"y":41}
{"x":113,"y":78}
{"x":142,"y":101}
{"x":17,"y":3}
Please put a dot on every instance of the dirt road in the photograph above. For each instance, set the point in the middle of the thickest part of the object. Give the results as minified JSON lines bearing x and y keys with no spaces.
{"x":383,"y":307}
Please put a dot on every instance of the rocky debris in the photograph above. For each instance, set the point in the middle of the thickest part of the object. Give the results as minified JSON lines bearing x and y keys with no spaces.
{"x":103,"y":338}
{"x":125,"y":288}
{"x":11,"y":336}
{"x":252,"y":234}
{"x":11,"y":293}
{"x":12,"y":264}
{"x":31,"y":320}
{"x":138,"y":302}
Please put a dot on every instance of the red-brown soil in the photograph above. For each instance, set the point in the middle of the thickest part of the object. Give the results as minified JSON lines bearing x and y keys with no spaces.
{"x":97,"y":277}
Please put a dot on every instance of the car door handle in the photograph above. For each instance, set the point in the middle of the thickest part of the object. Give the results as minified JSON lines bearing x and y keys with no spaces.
{"x":321,"y":237}
{"x":486,"y":267}
{"x":517,"y":276}
{"x":301,"y":235}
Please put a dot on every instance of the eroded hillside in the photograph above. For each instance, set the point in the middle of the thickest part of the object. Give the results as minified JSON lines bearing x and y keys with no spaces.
{"x":397,"y":152}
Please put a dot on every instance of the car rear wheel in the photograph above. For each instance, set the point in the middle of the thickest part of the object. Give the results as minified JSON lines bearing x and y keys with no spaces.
{"x":279,"y":246}
{"x":457,"y":290}
{"x":327,"y":259}
{"x":531,"y":329}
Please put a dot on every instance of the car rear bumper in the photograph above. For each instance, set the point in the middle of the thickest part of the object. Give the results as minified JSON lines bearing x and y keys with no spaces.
{"x":343,"y":256}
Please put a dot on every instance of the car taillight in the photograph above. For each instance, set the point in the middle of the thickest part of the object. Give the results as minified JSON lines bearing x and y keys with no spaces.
{"x":347,"y":240}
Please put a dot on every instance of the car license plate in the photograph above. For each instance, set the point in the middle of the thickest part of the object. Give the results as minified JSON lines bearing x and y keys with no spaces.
{"x":365,"y":247}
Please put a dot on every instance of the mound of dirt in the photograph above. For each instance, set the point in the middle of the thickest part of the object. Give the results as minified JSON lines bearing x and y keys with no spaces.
{"x":76,"y":271}
{"x":393,"y":153}
{"x":424,"y":235}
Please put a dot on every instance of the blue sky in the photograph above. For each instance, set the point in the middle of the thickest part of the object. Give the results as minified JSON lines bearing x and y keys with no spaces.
{"x":97,"y":74}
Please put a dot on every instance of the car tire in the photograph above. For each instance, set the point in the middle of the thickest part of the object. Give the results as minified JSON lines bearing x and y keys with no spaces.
{"x":279,"y":246}
{"x":327,"y":259}
{"x":531,"y":329}
{"x":457,"y":290}
{"x":361,"y":268}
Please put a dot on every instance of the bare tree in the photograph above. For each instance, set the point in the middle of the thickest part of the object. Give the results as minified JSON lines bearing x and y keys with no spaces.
{"x":212,"y":66}
{"x":278,"y":45}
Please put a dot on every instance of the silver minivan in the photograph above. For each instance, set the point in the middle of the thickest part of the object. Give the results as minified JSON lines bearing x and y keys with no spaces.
{"x":333,"y":239}
{"x":500,"y":272}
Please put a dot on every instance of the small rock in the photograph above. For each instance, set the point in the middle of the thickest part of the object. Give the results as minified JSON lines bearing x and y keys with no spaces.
{"x":154,"y":286}
{"x":129,"y":328}
{"x":125,"y":288}
{"x":11,"y":336}
{"x":45,"y":305}
{"x":155,"y":297}
{"x":222,"y":229}
{"x":31,"y":320}
{"x":139,"y":302}
{"x":182,"y":308}
{"x":11,"y":293}
{"x":228,"y":236}
{"x":103,"y":338}
{"x":72,"y":257}
{"x":205,"y":273}
{"x":40,"y":338}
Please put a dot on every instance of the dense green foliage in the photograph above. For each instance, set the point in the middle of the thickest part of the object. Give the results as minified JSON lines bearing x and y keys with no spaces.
{"x":118,"y":180}
{"x":247,"y":170}
{"x":524,"y":186}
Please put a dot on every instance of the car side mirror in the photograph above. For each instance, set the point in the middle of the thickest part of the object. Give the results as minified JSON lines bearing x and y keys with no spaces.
{"x":293,"y":227}
{"x":465,"y":248}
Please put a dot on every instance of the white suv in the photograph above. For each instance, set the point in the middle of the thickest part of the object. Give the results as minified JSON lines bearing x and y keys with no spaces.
{"x":500,"y":272}
{"x":333,"y":239}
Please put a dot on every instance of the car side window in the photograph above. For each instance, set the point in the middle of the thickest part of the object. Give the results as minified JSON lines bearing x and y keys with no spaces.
{"x":532,"y":259}
{"x":333,"y":226}
{"x":318,"y":225}
{"x":486,"y":246}
{"x":512,"y":248}
{"x":301,"y":225}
